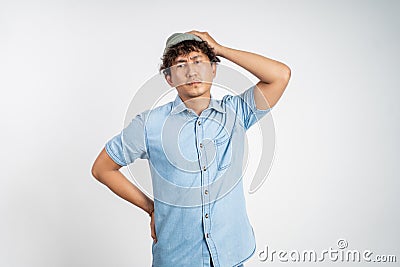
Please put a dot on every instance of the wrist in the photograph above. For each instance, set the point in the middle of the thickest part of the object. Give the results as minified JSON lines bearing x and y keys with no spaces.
{"x":150,"y":210}
{"x":225,"y":52}
{"x":219,"y":50}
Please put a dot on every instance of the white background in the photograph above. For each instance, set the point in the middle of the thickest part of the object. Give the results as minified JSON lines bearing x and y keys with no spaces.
{"x":69,"y":69}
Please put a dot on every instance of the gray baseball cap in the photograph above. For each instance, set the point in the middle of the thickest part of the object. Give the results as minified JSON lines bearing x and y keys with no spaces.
{"x":179,"y":37}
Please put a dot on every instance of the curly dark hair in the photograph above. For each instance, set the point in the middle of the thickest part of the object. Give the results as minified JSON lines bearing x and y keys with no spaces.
{"x":184,"y":48}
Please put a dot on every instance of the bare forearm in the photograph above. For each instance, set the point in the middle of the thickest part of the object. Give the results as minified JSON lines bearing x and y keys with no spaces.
{"x":265,"y":69}
{"x":122,"y":187}
{"x":273,"y":75}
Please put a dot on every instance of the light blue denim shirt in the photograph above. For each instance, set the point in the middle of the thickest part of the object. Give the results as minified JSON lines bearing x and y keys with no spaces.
{"x":196,"y":169}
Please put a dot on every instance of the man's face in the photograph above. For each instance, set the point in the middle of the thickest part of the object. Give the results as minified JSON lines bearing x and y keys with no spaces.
{"x":192,"y":75}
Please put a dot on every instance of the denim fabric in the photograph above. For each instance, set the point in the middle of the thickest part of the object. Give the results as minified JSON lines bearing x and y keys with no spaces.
{"x":196,"y":167}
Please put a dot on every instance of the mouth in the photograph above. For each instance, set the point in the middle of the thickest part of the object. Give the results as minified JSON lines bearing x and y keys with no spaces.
{"x":193,"y":83}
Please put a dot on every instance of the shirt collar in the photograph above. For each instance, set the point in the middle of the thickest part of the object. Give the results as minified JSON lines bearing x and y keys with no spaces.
{"x":178,"y":105}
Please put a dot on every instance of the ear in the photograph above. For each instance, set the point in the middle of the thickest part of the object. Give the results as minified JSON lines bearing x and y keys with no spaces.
{"x":214,"y":69}
{"x":169,"y":80}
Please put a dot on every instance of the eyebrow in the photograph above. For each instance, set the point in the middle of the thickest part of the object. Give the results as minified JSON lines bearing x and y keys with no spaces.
{"x":184,"y":60}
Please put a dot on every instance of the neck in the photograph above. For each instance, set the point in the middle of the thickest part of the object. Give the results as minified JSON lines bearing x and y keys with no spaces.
{"x":197,"y":104}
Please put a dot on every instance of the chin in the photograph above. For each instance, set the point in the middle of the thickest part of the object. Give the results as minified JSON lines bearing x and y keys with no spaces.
{"x":195,"y":91}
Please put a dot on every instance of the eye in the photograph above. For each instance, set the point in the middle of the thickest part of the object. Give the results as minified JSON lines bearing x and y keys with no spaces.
{"x":197,"y":62}
{"x":180,"y":65}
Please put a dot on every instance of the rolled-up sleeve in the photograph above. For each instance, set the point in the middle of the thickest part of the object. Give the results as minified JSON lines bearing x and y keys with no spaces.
{"x":129,"y":144}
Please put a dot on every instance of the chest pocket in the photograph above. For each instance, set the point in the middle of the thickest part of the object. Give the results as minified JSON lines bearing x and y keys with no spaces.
{"x":223,"y":152}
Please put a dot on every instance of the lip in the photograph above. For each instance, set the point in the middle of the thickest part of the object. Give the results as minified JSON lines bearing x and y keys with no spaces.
{"x":194,"y":83}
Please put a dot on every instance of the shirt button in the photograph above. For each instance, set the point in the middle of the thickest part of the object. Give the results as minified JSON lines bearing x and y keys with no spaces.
{"x":206,"y":192}
{"x":206,"y":215}
{"x":204,"y":168}
{"x":207,"y":235}
{"x":201,"y":145}
{"x":199,"y":123}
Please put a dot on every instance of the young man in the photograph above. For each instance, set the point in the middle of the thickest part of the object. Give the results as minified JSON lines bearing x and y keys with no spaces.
{"x":194,"y":146}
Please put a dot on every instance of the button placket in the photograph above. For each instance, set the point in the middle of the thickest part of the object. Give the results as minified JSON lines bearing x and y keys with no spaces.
{"x":205,"y":174}
{"x":204,"y":181}
{"x":204,"y":168}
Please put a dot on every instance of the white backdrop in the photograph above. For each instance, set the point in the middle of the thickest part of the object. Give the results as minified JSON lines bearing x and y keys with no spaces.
{"x":68,"y":70}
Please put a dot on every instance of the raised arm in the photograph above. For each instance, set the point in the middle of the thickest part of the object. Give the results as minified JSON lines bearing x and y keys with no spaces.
{"x":106,"y":171}
{"x":273,"y":75}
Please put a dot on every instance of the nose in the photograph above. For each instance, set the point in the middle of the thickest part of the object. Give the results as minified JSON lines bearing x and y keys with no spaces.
{"x":191,"y":70}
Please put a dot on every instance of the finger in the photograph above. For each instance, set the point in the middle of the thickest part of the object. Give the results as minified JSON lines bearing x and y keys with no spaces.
{"x":193,"y":32}
{"x":154,"y":236}
{"x":153,"y":232}
{"x":199,"y":34}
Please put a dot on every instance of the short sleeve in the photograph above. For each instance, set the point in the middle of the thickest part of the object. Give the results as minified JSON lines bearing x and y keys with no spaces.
{"x":245,"y":107}
{"x":129,"y":144}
